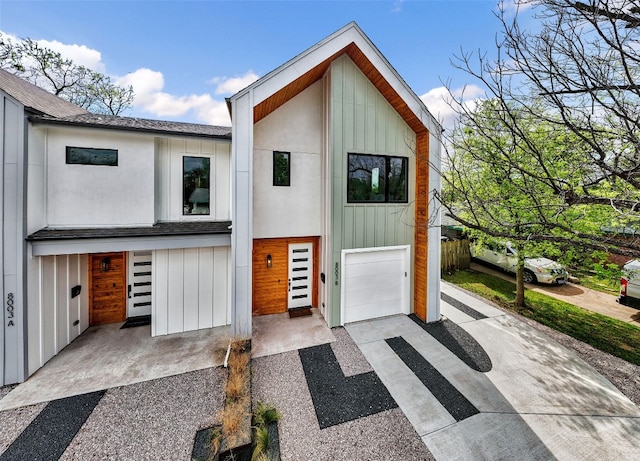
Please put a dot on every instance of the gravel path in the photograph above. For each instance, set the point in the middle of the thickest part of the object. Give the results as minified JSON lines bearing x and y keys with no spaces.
{"x":151,"y":420}
{"x":13,"y":422}
{"x":279,"y":380}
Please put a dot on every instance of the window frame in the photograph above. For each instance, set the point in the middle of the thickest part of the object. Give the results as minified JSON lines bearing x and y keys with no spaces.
{"x":387,"y":164}
{"x":95,"y":150}
{"x":288,"y":156}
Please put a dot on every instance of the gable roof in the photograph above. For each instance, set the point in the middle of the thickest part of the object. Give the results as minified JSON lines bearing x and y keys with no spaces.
{"x":116,"y":122}
{"x":293,"y":77}
{"x":35,"y":98}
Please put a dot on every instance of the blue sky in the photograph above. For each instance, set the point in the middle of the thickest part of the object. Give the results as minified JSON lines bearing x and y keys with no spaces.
{"x":184,"y":57}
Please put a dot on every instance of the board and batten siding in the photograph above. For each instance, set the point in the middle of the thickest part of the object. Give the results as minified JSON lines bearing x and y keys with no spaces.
{"x":169,"y":176}
{"x":52,"y":313}
{"x":191,"y":289}
{"x":12,"y":177}
{"x":362,"y":121}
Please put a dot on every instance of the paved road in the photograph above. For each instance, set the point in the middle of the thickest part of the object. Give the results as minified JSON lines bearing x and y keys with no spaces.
{"x":577,"y":295}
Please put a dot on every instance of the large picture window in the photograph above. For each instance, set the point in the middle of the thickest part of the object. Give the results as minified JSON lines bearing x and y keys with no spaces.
{"x":91,"y":156}
{"x":377,"y":179}
{"x":195,"y":185}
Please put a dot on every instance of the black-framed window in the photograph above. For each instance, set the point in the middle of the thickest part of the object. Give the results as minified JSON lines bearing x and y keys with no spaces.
{"x":196,"y":173}
{"x":281,"y":168}
{"x":91,"y":156}
{"x":377,"y":179}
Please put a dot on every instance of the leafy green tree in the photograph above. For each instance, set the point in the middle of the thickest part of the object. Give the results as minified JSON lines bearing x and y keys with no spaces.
{"x":78,"y":84}
{"x":551,"y":157}
{"x":502,"y":185}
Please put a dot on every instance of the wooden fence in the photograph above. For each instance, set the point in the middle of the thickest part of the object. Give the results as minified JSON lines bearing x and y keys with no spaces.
{"x":455,"y":255}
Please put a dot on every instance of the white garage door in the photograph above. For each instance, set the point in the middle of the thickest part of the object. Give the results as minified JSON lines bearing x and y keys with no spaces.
{"x":375,"y":282}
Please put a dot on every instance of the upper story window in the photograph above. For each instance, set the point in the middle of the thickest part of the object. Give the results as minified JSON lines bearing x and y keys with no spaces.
{"x":195,"y":185}
{"x":91,"y":156}
{"x":377,"y":179}
{"x":281,"y":168}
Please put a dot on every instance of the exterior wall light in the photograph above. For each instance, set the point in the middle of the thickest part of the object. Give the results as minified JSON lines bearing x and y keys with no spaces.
{"x":269,"y":261}
{"x":105,"y":264}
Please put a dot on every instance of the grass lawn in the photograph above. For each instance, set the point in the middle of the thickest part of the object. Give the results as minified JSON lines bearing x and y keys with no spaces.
{"x":598,"y":284}
{"x":609,"y":335}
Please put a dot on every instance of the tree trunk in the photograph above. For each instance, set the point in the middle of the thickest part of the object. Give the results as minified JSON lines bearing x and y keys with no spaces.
{"x":519,"y":302}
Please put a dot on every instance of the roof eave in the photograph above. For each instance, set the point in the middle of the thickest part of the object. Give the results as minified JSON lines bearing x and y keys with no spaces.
{"x":47,"y":121}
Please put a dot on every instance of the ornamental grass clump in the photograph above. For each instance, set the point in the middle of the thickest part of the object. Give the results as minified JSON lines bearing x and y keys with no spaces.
{"x":237,"y":409}
{"x":263,"y":416}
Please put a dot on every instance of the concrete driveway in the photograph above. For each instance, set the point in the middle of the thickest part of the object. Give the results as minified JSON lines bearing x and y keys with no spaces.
{"x":533,"y":400}
{"x":575,"y":294}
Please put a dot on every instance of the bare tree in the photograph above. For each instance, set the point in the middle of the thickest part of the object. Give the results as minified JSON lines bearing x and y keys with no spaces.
{"x":553,"y":153}
{"x":577,"y":75}
{"x":64,"y":78}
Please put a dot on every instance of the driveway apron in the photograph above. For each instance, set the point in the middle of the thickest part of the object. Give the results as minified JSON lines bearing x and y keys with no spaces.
{"x":530,"y":398}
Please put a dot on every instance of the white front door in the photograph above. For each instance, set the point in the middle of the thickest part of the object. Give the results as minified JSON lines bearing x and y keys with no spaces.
{"x":139,"y":283}
{"x":300,"y":274}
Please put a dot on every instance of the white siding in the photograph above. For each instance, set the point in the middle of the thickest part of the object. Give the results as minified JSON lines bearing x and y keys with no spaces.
{"x":36,"y":215}
{"x":11,"y":240}
{"x":95,"y":195}
{"x":51,"y":310}
{"x":191,"y":289}
{"x":296,"y":127}
{"x":170,"y":152}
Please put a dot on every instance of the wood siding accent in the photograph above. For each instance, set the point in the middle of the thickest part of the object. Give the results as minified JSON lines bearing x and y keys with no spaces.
{"x":422,"y":227}
{"x":108,"y":295}
{"x":270,"y":285}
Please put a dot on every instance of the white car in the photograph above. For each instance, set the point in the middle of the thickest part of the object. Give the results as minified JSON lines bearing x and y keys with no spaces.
{"x":630,"y":283}
{"x":536,"y":270}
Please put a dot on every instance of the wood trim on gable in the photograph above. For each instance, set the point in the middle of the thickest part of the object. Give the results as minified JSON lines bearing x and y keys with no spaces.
{"x":296,"y":87}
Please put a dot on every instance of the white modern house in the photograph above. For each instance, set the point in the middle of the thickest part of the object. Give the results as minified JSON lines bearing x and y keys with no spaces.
{"x":319,"y":195}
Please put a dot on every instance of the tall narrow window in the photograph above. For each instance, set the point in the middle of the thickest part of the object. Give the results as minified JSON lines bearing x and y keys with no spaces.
{"x":281,"y":168}
{"x":377,"y":179}
{"x":195,"y":185}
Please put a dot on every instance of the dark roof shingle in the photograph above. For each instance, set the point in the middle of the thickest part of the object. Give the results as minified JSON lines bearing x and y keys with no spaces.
{"x":35,"y":98}
{"x":157,"y":230}
{"x":139,"y":124}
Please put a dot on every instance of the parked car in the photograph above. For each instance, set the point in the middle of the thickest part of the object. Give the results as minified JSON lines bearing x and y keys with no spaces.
{"x":630,"y":283}
{"x":505,"y":257}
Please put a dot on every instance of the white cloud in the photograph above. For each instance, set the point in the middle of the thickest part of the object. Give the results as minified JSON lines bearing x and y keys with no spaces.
{"x":232,"y":85}
{"x":80,"y":54}
{"x":148,"y":87}
{"x":397,"y":6}
{"x":148,"y":84}
{"x":515,"y":6}
{"x":439,"y":101}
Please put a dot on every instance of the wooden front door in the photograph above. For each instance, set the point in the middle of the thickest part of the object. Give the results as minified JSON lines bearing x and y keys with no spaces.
{"x":274,"y":263}
{"x":108,"y":296}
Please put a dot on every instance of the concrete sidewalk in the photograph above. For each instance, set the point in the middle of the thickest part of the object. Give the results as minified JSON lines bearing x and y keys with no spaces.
{"x":539,"y":401}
